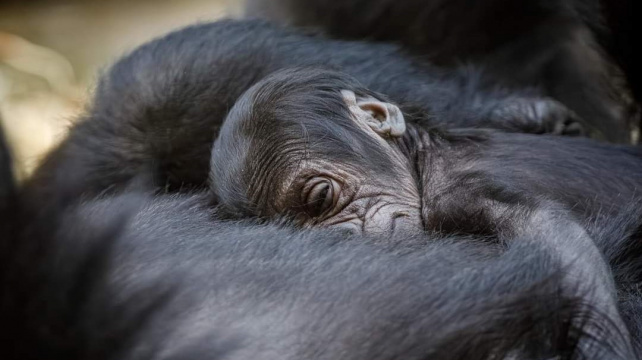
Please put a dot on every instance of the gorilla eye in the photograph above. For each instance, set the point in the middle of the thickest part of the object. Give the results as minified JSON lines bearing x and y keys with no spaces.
{"x":321,"y":195}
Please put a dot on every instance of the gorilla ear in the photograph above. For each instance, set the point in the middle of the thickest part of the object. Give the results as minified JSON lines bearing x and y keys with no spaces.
{"x":384,"y":118}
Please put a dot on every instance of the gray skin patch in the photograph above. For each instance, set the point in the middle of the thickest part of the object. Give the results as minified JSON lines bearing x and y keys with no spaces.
{"x":365,"y":202}
{"x":376,"y":205}
{"x":360,"y":202}
{"x":320,"y":190}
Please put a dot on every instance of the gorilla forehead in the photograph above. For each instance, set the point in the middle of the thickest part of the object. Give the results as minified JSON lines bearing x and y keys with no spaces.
{"x":302,"y":110}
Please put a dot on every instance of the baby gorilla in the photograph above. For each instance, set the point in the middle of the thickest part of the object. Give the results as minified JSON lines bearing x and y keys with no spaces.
{"x":290,"y":146}
{"x":315,"y":146}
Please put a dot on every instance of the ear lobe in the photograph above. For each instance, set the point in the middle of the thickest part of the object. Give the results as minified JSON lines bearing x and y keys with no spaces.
{"x":384,"y":118}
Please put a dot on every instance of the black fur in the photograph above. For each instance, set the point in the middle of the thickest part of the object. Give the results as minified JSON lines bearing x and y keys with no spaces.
{"x":157,"y":111}
{"x":7,"y":187}
{"x":131,"y":277}
{"x":303,"y":107}
{"x":554,"y":44}
{"x":137,"y":277}
{"x":471,"y":181}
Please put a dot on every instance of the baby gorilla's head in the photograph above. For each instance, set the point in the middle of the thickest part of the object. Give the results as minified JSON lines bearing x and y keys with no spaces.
{"x":315,"y":146}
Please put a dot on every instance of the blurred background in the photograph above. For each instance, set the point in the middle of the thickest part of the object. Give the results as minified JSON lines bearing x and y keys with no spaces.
{"x":52,"y":52}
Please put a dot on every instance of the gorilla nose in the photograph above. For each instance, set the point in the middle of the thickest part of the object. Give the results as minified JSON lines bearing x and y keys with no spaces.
{"x":402,"y":222}
{"x":397,"y":222}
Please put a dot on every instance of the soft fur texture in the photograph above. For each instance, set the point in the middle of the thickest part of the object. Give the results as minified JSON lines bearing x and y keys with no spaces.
{"x":134,"y":277}
{"x":157,"y":111}
{"x":569,"y":47}
{"x":131,"y":278}
{"x":92,"y":267}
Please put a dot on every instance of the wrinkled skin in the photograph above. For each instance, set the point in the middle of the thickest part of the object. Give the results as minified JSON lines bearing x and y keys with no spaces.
{"x":304,"y":180}
{"x":315,"y":146}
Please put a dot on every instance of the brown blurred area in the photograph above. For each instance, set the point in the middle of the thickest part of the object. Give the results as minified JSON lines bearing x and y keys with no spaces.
{"x":52,"y":52}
